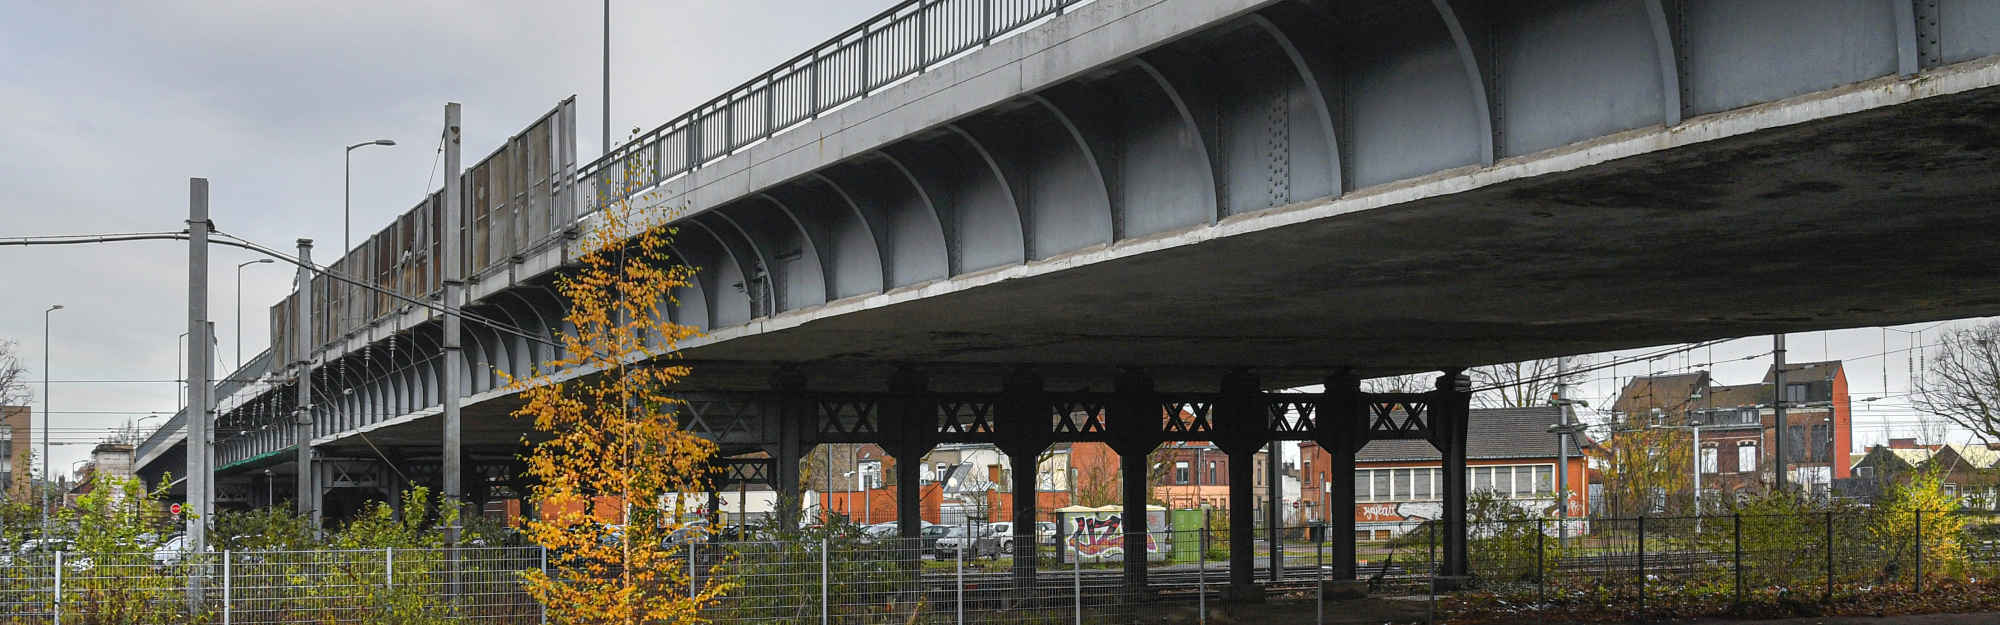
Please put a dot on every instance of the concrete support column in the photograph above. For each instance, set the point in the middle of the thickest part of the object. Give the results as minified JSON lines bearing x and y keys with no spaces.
{"x":1241,"y":423}
{"x":1023,"y":422}
{"x":1452,"y":406}
{"x":1136,"y":419}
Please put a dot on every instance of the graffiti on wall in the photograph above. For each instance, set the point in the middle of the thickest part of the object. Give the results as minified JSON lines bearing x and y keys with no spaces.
{"x":1405,"y":511}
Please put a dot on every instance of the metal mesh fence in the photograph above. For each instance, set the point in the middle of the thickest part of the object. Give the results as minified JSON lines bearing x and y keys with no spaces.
{"x":1688,"y":564}
{"x":1643,"y":566}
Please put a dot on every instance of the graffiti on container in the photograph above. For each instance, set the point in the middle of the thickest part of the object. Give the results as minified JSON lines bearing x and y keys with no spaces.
{"x":1095,"y":536}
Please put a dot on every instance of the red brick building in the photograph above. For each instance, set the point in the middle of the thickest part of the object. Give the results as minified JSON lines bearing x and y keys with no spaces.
{"x":1739,"y":428}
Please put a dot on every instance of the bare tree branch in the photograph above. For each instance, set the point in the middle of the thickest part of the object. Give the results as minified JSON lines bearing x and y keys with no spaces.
{"x":13,"y":377}
{"x":1406,"y":383}
{"x":1523,"y":384}
{"x":1962,"y":382}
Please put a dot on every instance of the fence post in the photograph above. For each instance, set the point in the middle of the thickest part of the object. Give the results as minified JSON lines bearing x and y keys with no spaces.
{"x":824,"y":604}
{"x":1541,"y":584}
{"x":1920,"y":550}
{"x":228,"y":589}
{"x":692,"y":585}
{"x":1431,"y":610}
{"x":961,"y":574}
{"x":1829,"y":555}
{"x":1319,"y":580}
{"x":1642,"y":567}
{"x":1076,"y":582}
{"x":389,"y":566}
{"x":58,"y":604}
{"x":543,"y":557}
{"x":1201,"y":576}
{"x":1736,"y":519}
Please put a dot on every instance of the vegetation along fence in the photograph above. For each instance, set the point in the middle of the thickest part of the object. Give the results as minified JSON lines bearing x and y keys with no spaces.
{"x":1648,"y":565}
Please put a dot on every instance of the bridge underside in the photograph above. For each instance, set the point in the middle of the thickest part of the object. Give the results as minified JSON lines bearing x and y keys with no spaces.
{"x":1869,"y":219}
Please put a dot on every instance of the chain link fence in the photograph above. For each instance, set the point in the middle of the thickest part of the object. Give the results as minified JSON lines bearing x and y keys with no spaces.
{"x":1690,"y":564}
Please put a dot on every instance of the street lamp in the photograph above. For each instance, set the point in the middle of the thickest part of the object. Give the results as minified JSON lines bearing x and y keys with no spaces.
{"x":46,"y":468}
{"x":347,"y":197}
{"x":239,"y":305}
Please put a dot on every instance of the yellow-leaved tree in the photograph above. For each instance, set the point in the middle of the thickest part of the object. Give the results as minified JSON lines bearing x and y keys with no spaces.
{"x":613,"y":469}
{"x":1918,"y":518}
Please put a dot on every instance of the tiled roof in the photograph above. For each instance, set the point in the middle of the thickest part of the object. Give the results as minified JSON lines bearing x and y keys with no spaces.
{"x":1975,"y":456}
{"x":1804,"y":371}
{"x":1493,"y":434}
{"x":1668,"y":393}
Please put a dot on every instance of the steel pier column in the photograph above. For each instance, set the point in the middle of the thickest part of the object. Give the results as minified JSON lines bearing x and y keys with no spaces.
{"x":1136,"y":420}
{"x":1454,"y":399}
{"x":1274,"y":509}
{"x":1022,"y":418}
{"x":904,"y":423}
{"x":1241,"y":422}
{"x":790,"y":417}
{"x":1343,"y":427}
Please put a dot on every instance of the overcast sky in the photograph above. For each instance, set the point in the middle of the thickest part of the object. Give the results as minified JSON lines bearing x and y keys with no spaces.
{"x":111,"y":107}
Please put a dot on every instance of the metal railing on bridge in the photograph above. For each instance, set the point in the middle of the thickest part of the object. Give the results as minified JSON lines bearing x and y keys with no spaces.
{"x":896,"y":44}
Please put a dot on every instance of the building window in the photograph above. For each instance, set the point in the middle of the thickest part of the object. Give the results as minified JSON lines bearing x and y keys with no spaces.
{"x":1180,"y":472}
{"x":1545,"y":483}
{"x":1710,"y":459}
{"x":1426,"y":479}
{"x":1361,"y":492}
{"x":1382,"y":492}
{"x":1746,"y":457}
{"x":1795,"y":393}
{"x":1211,"y":472}
{"x":1402,"y":486}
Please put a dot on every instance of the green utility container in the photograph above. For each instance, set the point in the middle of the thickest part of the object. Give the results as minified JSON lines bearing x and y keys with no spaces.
{"x":1186,"y":538}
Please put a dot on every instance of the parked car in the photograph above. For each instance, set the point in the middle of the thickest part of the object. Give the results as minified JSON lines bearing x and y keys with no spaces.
{"x":1045,"y":533}
{"x":171,"y":552}
{"x":930,"y":535}
{"x":978,"y":541}
{"x":35,"y":549}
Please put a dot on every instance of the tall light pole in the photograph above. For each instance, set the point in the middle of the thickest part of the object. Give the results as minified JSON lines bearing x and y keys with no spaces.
{"x":347,"y":196}
{"x":239,"y":305}
{"x":607,"y":76}
{"x":46,"y":467}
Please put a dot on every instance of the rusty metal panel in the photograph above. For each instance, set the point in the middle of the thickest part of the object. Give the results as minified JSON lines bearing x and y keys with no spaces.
{"x":511,"y":206}
{"x":481,"y":213}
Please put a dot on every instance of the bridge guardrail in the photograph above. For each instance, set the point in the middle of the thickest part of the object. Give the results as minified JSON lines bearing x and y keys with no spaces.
{"x":895,"y":44}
